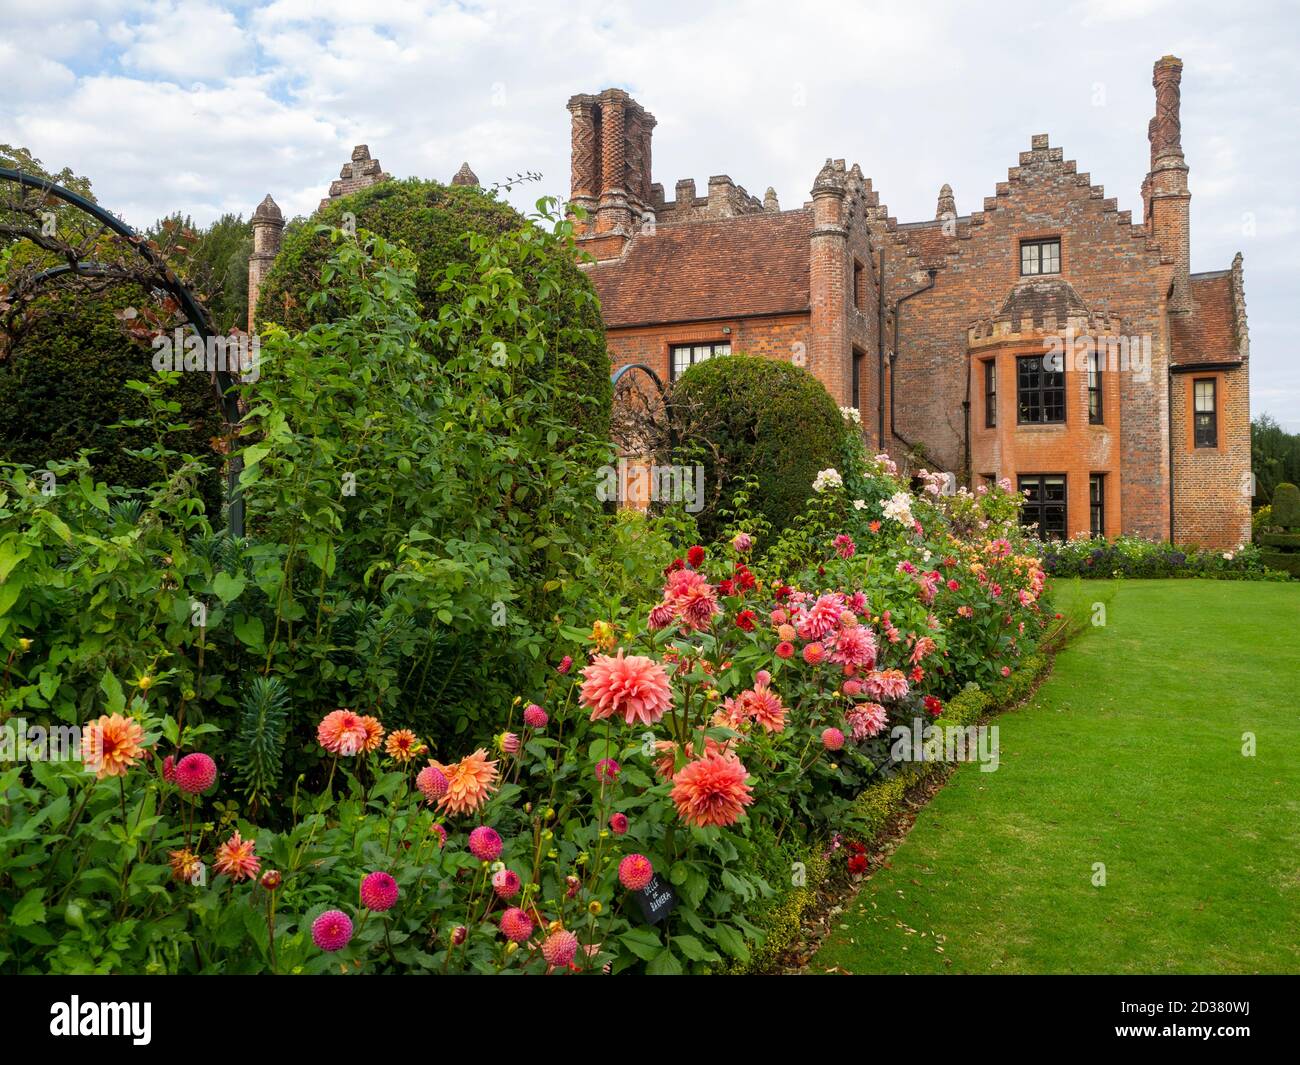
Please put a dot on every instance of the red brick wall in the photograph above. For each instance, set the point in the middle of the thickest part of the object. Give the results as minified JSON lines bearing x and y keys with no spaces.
{"x":776,"y":337}
{"x":1212,"y":485}
{"x":1111,"y":264}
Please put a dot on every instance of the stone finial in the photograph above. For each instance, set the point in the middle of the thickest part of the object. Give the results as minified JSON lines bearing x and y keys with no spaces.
{"x":465,"y":176}
{"x":829,"y":179}
{"x":947,"y":206}
{"x":769,"y":200}
{"x":1237,"y":286}
{"x":268,"y":211}
{"x":361,"y":153}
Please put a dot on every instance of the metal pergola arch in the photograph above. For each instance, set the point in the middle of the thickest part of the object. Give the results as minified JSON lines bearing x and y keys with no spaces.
{"x":170,"y":283}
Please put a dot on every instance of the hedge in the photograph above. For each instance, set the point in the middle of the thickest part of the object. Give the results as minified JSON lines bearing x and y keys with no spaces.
{"x":745,"y":416}
{"x":434,"y":221}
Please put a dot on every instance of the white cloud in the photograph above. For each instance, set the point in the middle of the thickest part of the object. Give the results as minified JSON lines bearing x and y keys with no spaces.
{"x":205,"y":106}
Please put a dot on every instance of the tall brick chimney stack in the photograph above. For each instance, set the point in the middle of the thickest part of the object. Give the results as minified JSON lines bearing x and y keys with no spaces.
{"x":611,"y":164}
{"x":830,"y":282}
{"x":1165,"y":192}
{"x":268,"y":228}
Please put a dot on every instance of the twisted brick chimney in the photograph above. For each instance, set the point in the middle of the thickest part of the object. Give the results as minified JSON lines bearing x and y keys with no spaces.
{"x":1165,"y":192}
{"x":610,"y":178}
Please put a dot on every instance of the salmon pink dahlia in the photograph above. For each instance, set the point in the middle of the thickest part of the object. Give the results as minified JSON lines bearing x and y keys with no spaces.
{"x":515,"y":925}
{"x":485,"y":844}
{"x":635,"y":872}
{"x":711,"y":790}
{"x":813,"y":653}
{"x":784,"y":649}
{"x":559,"y":948}
{"x":112,"y":745}
{"x":635,"y":688}
{"x":343,"y":733}
{"x":235,"y":858}
{"x":618,"y":824}
{"x":535,"y":716}
{"x":195,"y":773}
{"x":332,"y":930}
{"x":431,"y":781}
{"x":470,"y":782}
{"x":887,"y":684}
{"x":378,"y":892}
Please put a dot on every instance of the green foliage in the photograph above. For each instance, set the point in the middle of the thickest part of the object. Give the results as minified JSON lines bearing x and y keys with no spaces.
{"x":438,"y":224}
{"x":1286,"y":506}
{"x":1274,"y":457}
{"x":1132,"y":556}
{"x":258,"y":750}
{"x":759,"y":425}
{"x":216,"y":266}
{"x":62,"y":390}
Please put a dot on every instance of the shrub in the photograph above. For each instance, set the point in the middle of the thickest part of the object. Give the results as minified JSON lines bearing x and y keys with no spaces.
{"x":435,"y":222}
{"x":1132,"y":556}
{"x":62,"y":389}
{"x":748,"y":418}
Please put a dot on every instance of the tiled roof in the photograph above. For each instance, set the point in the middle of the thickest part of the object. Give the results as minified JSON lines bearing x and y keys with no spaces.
{"x":1208,"y":334}
{"x":688,"y":271}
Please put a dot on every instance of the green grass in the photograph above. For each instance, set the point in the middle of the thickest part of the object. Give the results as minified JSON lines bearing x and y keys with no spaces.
{"x":1129,"y":755}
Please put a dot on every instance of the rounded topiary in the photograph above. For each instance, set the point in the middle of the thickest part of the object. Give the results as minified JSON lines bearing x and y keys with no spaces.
{"x":1286,"y":506}
{"x":433,"y":221}
{"x":63,"y":387}
{"x":750,"y":417}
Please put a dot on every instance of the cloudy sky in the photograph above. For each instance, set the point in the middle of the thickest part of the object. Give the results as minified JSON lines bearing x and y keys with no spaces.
{"x":204,"y":106}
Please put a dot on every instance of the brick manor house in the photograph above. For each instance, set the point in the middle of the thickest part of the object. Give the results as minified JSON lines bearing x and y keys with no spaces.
{"x":1046,"y":338}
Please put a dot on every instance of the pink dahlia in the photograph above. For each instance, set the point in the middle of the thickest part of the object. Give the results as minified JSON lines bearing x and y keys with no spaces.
{"x":784,"y":649}
{"x":844,"y":546}
{"x":332,"y":930}
{"x":635,"y":872}
{"x":431,"y":782}
{"x":607,"y":770}
{"x":508,"y":743}
{"x":515,"y":925}
{"x":195,"y":773}
{"x":832,"y":739}
{"x":535,"y":716}
{"x":742,"y":542}
{"x":169,"y":769}
{"x":634,"y":687}
{"x":867,"y":720}
{"x":855,"y":646}
{"x":485,"y":843}
{"x":821,"y":617}
{"x":506,"y":883}
{"x":566,"y":664}
{"x":618,"y":824}
{"x":235,"y":858}
{"x":378,"y":892}
{"x":343,"y":732}
{"x":712,"y":790}
{"x":661,"y":616}
{"x":690,"y":597}
{"x":888,"y":684}
{"x":559,"y":948}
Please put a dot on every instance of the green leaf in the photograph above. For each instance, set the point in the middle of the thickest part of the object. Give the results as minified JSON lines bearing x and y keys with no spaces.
{"x":730,"y":940}
{"x":228,"y":588}
{"x":112,"y":688}
{"x":665,"y":963}
{"x":643,"y":942}
{"x":250,"y":630}
{"x":30,"y":909}
{"x":694,"y":949}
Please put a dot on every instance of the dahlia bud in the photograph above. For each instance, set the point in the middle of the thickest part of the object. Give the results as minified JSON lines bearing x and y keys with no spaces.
{"x":742,"y":542}
{"x":508,"y":743}
{"x":566,"y":664}
{"x":458,"y":935}
{"x":594,"y":907}
{"x":24,"y":644}
{"x":271,"y":879}
{"x":573,"y":884}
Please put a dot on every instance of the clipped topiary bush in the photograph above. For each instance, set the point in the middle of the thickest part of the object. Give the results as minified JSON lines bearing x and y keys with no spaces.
{"x":433,"y":221}
{"x":1280,"y":542}
{"x":745,"y":417}
{"x":63,"y":387}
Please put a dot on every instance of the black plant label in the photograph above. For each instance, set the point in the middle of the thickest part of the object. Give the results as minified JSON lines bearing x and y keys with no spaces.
{"x":656,"y":899}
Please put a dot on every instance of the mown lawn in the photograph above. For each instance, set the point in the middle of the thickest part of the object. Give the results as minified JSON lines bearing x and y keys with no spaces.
{"x":1129,"y":755}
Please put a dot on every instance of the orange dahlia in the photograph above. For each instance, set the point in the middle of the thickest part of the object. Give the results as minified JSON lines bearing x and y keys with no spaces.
{"x":111,"y":745}
{"x":712,"y":790}
{"x":374,"y":734}
{"x":185,"y":865}
{"x":402,"y":745}
{"x":236,"y":859}
{"x":469,"y":783}
{"x":343,"y":732}
{"x":636,"y":688}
